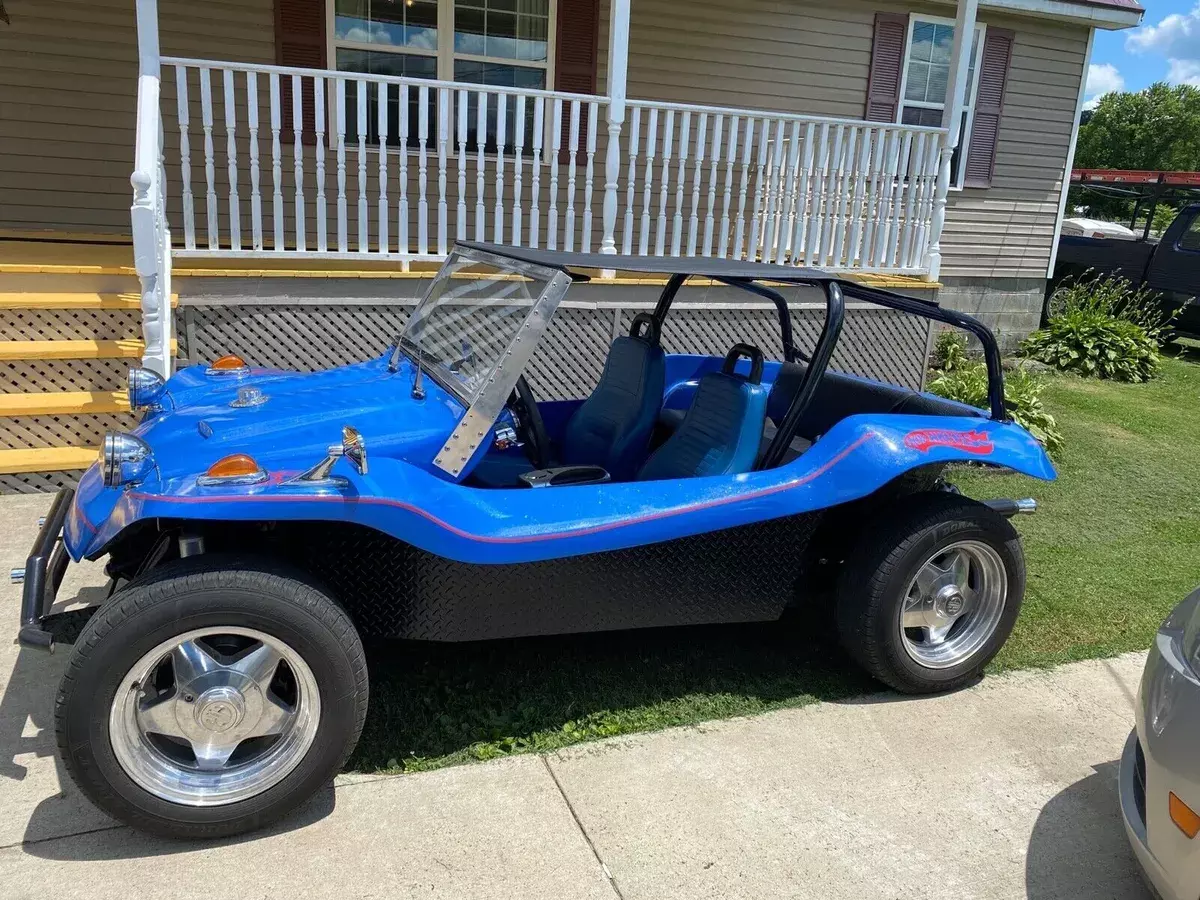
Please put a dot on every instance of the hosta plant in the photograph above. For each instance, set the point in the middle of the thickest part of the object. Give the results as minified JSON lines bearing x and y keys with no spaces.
{"x":968,"y":383}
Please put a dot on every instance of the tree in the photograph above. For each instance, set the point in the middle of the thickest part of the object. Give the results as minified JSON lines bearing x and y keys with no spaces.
{"x":1155,"y":129}
{"x":1158,"y":128}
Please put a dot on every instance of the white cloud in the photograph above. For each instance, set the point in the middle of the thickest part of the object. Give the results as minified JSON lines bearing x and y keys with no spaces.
{"x":1102,"y":78}
{"x":1184,"y":71}
{"x":1177,"y":38}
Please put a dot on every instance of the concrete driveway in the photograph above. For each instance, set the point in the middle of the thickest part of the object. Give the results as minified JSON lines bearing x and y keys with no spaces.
{"x":1005,"y":790}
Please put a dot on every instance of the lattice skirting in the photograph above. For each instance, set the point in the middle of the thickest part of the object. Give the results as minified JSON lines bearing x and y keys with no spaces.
{"x":39,"y":482}
{"x":31,"y":376}
{"x":86,"y":430}
{"x":883,"y":344}
{"x":69,"y":324}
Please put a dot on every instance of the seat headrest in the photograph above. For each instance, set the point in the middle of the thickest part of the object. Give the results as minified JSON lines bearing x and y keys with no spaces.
{"x":752,"y":353}
{"x":652,"y":332}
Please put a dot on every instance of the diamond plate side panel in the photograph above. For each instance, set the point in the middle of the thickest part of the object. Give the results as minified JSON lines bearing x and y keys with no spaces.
{"x":392,"y":589}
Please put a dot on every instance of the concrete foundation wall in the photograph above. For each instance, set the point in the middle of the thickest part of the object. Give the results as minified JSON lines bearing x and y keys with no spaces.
{"x":1011,"y":307}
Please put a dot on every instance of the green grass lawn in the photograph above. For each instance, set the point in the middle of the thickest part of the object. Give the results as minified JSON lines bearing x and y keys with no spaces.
{"x":1112,"y":549}
{"x":1116,"y":543}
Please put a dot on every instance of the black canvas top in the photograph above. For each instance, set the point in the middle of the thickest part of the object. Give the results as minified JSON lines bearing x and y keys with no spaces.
{"x":704,"y":266}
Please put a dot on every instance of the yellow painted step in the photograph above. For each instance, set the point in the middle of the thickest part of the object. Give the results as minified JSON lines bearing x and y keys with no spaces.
{"x":46,"y":459}
{"x":66,"y":403}
{"x":126,"y":349}
{"x":81,"y":300}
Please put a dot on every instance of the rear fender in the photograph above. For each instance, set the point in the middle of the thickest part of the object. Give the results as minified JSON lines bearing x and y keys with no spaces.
{"x":899,"y":443}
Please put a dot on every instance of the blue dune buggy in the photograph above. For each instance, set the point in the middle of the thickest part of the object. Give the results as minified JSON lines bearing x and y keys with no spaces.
{"x":257,"y":522}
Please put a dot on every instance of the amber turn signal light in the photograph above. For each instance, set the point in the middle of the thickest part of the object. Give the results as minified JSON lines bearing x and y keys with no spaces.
{"x":228,"y":362}
{"x":1185,"y":819}
{"x":239,"y":464}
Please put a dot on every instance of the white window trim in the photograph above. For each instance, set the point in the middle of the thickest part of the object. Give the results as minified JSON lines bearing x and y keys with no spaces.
{"x":445,"y":53}
{"x":964,"y":139}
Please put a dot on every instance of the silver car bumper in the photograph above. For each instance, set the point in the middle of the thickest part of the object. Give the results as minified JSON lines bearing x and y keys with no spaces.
{"x":1163,"y":755}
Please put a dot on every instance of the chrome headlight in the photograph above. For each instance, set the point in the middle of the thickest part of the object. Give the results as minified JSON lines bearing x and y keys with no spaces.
{"x":146,"y":387}
{"x":124,"y":459}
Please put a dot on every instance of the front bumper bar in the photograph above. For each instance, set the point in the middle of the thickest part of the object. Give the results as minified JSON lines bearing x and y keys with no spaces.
{"x":44,"y":572}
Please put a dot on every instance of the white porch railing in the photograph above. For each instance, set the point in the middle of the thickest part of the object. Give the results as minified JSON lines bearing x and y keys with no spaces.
{"x":777,"y":187}
{"x":399,"y":168}
{"x":393,"y":168}
{"x":274,"y":162}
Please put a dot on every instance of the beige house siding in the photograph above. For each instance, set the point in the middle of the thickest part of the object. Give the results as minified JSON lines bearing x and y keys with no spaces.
{"x":68,"y":86}
{"x":806,"y":57}
{"x":1007,"y":230}
{"x":68,"y":81}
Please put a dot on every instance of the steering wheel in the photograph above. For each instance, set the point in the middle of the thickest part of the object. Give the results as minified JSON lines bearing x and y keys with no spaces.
{"x":530,"y":428}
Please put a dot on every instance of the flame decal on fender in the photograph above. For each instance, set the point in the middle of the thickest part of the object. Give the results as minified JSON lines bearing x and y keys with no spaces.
{"x":967,"y":441}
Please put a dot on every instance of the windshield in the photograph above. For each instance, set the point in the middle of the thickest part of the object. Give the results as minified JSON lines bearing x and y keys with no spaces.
{"x":463,"y":328}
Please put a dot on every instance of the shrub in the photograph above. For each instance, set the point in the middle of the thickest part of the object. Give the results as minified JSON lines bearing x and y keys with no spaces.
{"x":1103,"y":327}
{"x":1022,"y":395}
{"x":950,"y":351}
{"x":1112,"y":296}
{"x":1095,"y":345}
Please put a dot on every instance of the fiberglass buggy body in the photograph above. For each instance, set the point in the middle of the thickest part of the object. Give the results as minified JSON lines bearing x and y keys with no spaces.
{"x":224,"y":681}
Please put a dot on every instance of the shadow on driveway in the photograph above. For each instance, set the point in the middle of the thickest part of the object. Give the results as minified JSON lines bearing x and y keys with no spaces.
{"x":443,"y":701}
{"x":119,"y":842}
{"x":1078,"y":849}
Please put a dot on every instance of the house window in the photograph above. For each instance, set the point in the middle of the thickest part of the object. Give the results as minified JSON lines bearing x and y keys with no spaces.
{"x":504,"y":43}
{"x":926,"y":74}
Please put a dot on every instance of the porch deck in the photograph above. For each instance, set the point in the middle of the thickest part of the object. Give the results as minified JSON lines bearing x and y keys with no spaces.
{"x":26,"y":254}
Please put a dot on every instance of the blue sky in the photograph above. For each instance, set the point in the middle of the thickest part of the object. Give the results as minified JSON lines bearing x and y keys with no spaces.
{"x":1165,"y":48}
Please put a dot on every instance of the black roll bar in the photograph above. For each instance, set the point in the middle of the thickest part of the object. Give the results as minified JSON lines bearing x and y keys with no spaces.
{"x":675,"y":282}
{"x":991,"y":350}
{"x":836,"y":293}
{"x":785,"y":317}
{"x":835,"y":314}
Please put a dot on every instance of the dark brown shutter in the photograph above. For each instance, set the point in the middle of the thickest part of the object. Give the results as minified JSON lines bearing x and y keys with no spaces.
{"x":989,"y":102}
{"x":887,"y":64}
{"x":299,"y":42}
{"x":577,"y":53}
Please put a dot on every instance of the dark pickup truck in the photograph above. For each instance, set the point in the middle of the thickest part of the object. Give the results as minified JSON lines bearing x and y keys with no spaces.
{"x":1170,"y":266}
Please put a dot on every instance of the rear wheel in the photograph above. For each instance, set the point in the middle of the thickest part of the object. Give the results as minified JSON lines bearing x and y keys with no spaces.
{"x":211,"y":698}
{"x":931,"y":596}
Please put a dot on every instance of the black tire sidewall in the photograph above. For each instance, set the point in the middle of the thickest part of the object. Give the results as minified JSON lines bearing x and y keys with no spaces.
{"x":145,"y":616}
{"x":878,"y":578}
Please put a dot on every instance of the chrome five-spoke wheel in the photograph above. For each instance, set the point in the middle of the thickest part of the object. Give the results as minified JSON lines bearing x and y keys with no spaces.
{"x":932,"y":592}
{"x":214,"y":716}
{"x":954,"y":604}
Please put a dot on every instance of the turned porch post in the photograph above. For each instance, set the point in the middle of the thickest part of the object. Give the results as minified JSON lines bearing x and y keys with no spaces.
{"x":956,"y":92}
{"x":151,"y":252}
{"x":618,"y":63}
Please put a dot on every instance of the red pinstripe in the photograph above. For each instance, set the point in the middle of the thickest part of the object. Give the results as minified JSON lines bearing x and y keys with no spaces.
{"x":523,"y":539}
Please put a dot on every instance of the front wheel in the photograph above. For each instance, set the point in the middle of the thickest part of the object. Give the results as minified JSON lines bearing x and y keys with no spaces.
{"x":931,"y":596}
{"x":211,"y":698}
